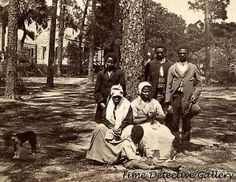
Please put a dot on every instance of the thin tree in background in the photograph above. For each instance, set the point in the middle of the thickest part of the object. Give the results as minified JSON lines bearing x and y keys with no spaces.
{"x":117,"y":26}
{"x":78,"y":64}
{"x":4,"y":24}
{"x":29,"y":12}
{"x":207,"y":42}
{"x":92,"y":43}
{"x":32,"y":11}
{"x":132,"y":43}
{"x":11,"y":71}
{"x":50,"y":73}
{"x":61,"y":36}
{"x":213,"y":10}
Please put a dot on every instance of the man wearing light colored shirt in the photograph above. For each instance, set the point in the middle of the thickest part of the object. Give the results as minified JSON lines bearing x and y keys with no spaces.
{"x":182,"y":90}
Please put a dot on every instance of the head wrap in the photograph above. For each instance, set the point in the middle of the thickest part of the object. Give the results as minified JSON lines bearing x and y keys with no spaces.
{"x":115,"y":114}
{"x":117,"y":90}
{"x":142,"y":85}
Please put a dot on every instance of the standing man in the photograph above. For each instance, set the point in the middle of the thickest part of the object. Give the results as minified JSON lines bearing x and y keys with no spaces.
{"x":106,"y":78}
{"x":148,"y":59}
{"x":156,"y":74}
{"x":182,"y":90}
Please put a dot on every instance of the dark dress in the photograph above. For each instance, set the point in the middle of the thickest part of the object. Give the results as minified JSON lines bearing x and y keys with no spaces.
{"x":103,"y":85}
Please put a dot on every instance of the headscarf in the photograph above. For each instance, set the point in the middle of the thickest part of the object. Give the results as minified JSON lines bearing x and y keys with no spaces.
{"x":142,"y":85}
{"x":117,"y":90}
{"x":116,"y":114}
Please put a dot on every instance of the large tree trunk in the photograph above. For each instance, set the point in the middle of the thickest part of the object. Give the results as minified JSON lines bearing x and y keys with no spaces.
{"x":132,"y":44}
{"x":60,"y":38}
{"x":11,"y":71}
{"x":78,"y":63}
{"x":92,"y":44}
{"x":50,"y":73}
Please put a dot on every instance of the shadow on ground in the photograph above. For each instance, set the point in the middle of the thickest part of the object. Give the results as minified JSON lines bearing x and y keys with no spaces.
{"x":63,"y":120}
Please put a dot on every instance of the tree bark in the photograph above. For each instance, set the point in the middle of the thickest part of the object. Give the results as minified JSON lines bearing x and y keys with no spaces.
{"x":207,"y":43}
{"x":22,"y":41}
{"x":11,"y":71}
{"x":60,"y":38}
{"x":117,"y":27}
{"x":92,"y":43}
{"x":50,"y":73}
{"x":78,"y":63}
{"x":132,"y":44}
{"x":3,"y":36}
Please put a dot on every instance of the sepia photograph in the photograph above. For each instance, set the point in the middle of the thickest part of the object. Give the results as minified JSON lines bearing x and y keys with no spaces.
{"x":117,"y":90}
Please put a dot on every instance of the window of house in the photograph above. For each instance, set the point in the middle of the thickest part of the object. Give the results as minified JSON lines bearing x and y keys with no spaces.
{"x":31,"y":52}
{"x":44,"y":48}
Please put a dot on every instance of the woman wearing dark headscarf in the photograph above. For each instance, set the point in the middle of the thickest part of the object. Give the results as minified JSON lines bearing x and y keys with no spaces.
{"x":106,"y":78}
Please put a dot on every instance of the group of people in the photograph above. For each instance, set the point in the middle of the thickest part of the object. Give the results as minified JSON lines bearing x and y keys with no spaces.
{"x":147,"y":128}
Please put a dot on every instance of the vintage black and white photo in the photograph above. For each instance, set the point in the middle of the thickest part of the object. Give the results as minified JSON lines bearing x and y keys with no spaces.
{"x":117,"y":90}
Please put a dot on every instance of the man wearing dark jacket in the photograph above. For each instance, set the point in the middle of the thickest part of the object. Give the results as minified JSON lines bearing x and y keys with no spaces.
{"x":106,"y":78}
{"x":156,"y":73}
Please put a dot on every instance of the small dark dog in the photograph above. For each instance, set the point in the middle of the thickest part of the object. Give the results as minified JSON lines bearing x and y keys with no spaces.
{"x":18,"y":139}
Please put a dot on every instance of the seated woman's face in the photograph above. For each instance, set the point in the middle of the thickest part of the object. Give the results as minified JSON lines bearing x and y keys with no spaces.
{"x":146,"y":93}
{"x":116,"y":99}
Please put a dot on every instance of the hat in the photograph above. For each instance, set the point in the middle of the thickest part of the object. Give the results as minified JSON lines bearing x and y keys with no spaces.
{"x":195,"y":109}
{"x":142,"y":85}
{"x":117,"y":90}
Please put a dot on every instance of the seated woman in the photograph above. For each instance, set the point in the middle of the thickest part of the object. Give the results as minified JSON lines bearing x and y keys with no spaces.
{"x":148,"y":113}
{"x":106,"y":142}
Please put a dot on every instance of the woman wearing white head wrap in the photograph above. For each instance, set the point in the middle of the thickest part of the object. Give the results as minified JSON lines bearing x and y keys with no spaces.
{"x":148,"y":113}
{"x":142,"y":85}
{"x":117,"y":107}
{"x":106,"y":140}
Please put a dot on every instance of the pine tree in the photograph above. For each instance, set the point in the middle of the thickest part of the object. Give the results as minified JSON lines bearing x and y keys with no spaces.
{"x":132,"y":43}
{"x":50,"y":73}
{"x":11,"y":72}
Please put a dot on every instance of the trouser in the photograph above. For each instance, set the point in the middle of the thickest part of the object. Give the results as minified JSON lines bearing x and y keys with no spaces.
{"x":160,"y":96}
{"x":169,"y":120}
{"x":177,"y":116}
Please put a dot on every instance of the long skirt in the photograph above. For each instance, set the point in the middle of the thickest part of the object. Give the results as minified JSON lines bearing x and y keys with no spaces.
{"x":158,"y":137}
{"x":102,"y":150}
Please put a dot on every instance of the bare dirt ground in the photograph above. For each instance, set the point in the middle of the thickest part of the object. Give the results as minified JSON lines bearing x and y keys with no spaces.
{"x":63,"y":120}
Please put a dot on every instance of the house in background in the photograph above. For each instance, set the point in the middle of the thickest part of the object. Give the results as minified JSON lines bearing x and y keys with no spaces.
{"x":38,"y":49}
